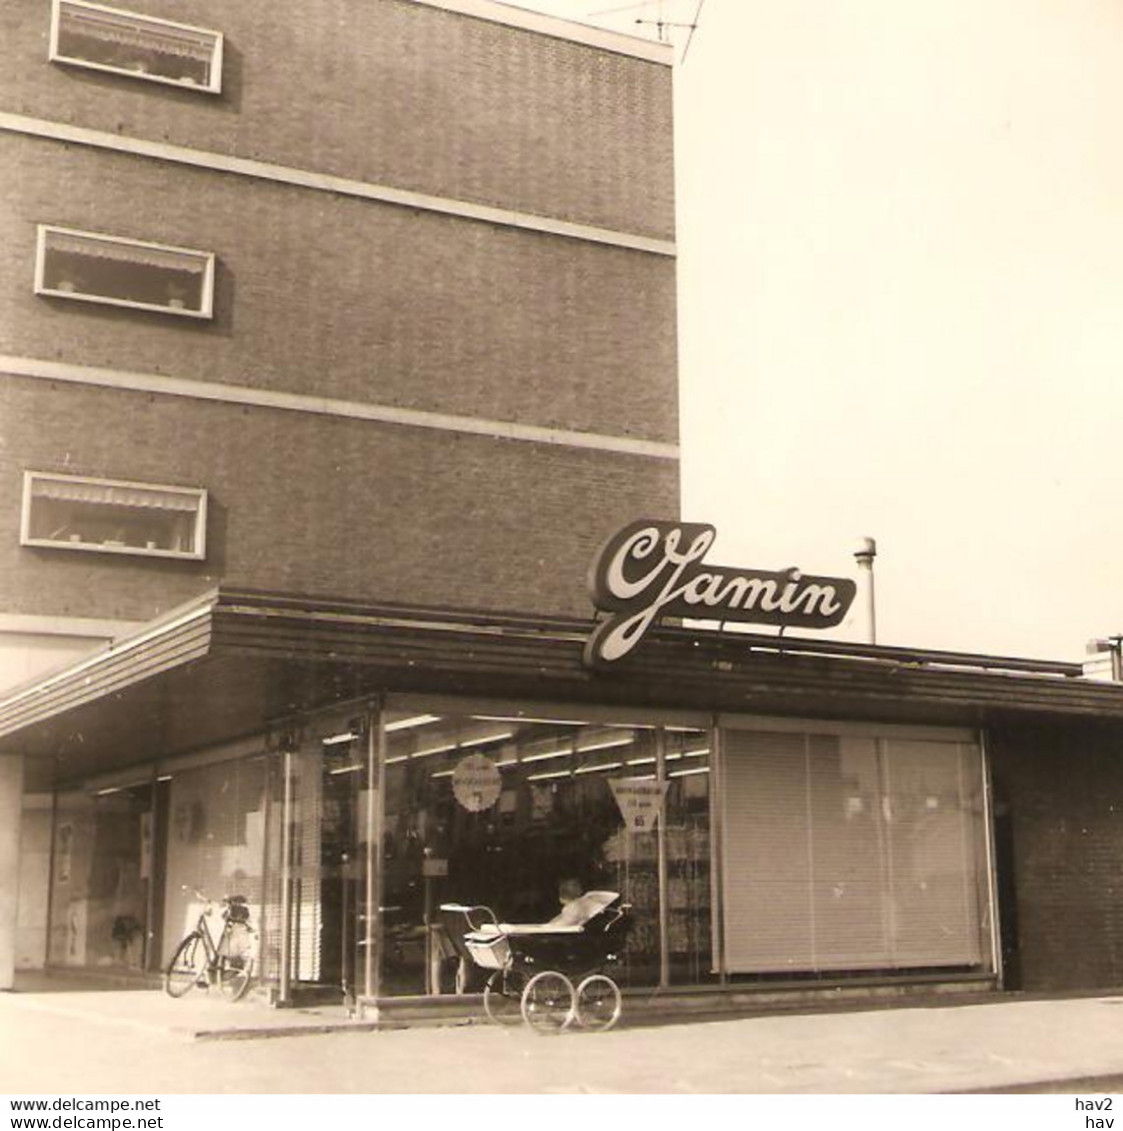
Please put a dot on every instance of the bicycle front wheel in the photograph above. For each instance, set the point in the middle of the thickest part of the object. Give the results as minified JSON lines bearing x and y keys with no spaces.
{"x":188,"y":967}
{"x":236,"y":962}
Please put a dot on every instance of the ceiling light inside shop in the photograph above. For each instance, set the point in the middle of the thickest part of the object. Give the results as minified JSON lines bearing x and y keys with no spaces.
{"x":641,"y":761}
{"x":443,"y":749}
{"x":415,"y":721}
{"x":597,"y":769}
{"x":548,"y":754}
{"x":339,"y":739}
{"x":606,"y":744}
{"x":529,"y":719}
{"x":546,"y":777}
{"x":689,"y":773}
{"x":483,"y":740}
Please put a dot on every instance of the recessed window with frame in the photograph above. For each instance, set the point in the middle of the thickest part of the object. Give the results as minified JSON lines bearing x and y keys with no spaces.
{"x":93,"y":267}
{"x":143,"y":47}
{"x":113,"y":516}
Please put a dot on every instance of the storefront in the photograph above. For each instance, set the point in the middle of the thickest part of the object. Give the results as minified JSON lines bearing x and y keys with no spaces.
{"x":783,"y":816}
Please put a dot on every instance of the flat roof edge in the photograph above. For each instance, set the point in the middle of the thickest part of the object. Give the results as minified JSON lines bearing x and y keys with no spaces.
{"x":559,"y":28}
{"x":188,"y":611}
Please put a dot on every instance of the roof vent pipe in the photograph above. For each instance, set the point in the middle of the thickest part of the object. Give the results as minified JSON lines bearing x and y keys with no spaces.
{"x":864,"y":556}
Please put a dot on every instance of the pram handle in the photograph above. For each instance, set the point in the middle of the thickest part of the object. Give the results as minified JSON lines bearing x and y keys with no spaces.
{"x":486,"y":915}
{"x":612,"y":916}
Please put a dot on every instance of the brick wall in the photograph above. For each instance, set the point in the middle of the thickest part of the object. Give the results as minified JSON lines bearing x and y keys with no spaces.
{"x":318,"y":505}
{"x":349,"y":298}
{"x":1061,"y":789}
{"x":324,"y":294}
{"x":391,"y":92}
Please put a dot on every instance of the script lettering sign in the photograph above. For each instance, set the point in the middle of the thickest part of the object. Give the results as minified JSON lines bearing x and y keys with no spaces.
{"x":653,"y":569}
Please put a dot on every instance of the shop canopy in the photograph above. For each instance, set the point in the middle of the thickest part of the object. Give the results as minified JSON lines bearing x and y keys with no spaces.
{"x":238,"y":663}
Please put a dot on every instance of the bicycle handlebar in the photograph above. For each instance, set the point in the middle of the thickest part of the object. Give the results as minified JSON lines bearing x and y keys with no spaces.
{"x":206,"y":898}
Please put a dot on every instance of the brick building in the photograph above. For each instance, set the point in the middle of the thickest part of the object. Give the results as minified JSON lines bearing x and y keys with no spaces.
{"x":436,"y":242}
{"x":376,"y":304}
{"x":331,"y":355}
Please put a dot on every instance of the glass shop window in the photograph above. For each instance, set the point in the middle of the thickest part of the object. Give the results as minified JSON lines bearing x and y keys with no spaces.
{"x":517,"y":814}
{"x":143,"y":47}
{"x":111,"y":516}
{"x":687,"y":814}
{"x":852,"y":852}
{"x":121,"y":272}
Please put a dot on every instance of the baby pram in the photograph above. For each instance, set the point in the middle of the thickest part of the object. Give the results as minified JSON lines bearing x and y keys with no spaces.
{"x":546,"y":974}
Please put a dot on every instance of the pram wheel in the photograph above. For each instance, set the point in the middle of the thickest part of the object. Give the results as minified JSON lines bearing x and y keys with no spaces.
{"x":503,"y":996}
{"x":598,"y":1003}
{"x":548,"y":1002}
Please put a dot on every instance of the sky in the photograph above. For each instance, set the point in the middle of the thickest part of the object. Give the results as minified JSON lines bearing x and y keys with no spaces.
{"x":900,"y":238}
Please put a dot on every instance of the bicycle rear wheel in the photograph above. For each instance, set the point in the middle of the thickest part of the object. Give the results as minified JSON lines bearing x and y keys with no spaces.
{"x":236,"y":961}
{"x":188,"y":967}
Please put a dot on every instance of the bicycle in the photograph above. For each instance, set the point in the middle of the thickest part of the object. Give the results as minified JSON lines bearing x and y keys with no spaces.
{"x":227,"y":963}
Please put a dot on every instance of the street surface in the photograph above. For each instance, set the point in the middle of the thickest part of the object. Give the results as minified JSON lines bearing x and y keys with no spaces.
{"x":75,"y":1043}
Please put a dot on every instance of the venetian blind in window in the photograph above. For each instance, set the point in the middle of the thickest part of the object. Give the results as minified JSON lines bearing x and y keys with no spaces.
{"x":848,"y":852}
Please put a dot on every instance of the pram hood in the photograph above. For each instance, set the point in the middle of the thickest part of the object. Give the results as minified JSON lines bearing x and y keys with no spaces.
{"x":572,"y":920}
{"x":577,"y":912}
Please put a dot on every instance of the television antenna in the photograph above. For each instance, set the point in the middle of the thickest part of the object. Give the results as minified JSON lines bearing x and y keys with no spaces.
{"x":663,"y":26}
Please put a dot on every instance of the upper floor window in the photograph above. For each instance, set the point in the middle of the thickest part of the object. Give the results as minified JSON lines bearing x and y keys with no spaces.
{"x":123,"y":272}
{"x":107,"y":39}
{"x":113,"y":516}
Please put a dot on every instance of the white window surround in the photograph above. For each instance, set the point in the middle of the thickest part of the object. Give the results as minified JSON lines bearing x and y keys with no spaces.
{"x":127,"y":36}
{"x":99,"y":246}
{"x":113,"y":516}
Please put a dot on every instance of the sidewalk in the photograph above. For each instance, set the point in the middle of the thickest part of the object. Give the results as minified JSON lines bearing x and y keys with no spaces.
{"x":142,"y":1041}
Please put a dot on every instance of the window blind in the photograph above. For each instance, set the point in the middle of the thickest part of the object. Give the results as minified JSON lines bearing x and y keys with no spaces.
{"x":851,"y":853}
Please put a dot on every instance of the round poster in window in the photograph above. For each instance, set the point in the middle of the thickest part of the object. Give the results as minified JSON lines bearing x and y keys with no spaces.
{"x":476,"y":783}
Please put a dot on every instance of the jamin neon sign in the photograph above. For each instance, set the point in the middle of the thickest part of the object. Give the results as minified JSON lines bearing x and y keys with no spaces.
{"x":653,"y":569}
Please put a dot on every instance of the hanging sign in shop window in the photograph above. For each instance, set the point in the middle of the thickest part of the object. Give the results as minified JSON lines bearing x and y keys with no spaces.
{"x":640,"y":801}
{"x":653,"y":569}
{"x":476,"y":783}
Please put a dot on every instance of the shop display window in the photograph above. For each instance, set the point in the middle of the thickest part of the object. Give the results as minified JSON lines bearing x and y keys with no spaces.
{"x":853,"y":852}
{"x":143,"y":47}
{"x":516,"y":814}
{"x":216,"y":837}
{"x":102,"y":868}
{"x":689,"y":890}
